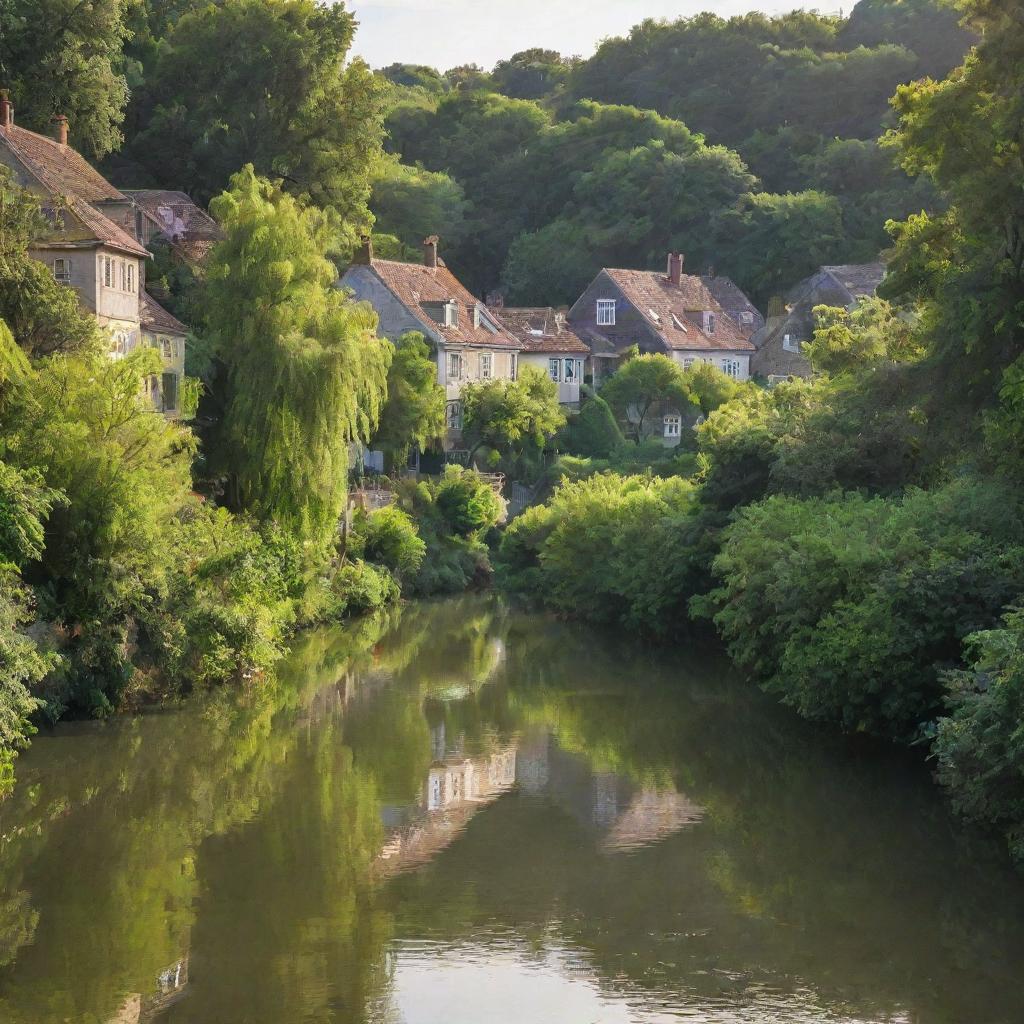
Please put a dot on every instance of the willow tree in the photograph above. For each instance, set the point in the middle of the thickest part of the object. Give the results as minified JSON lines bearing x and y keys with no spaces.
{"x":306,"y":373}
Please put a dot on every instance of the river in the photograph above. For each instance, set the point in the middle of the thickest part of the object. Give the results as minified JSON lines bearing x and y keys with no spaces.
{"x":456,"y":813}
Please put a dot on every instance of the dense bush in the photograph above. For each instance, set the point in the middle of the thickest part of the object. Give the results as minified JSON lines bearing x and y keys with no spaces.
{"x":390,"y":539}
{"x":849,"y":607}
{"x":594,"y":432}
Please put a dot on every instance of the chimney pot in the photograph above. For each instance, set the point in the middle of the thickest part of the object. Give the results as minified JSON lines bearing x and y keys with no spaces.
{"x":60,"y":131}
{"x":363,"y":255}
{"x":430,"y":251}
{"x":675,"y":267}
{"x":6,"y":109}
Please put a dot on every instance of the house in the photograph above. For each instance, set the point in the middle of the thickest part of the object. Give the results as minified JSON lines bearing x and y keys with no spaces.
{"x":172,"y":217}
{"x":91,"y":245}
{"x":548,"y":343}
{"x":469,"y":342}
{"x":164,"y":332}
{"x":672,"y":313}
{"x":779,"y":342}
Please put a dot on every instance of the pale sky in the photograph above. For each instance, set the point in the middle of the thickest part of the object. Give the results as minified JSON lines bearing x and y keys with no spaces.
{"x":445,"y":33}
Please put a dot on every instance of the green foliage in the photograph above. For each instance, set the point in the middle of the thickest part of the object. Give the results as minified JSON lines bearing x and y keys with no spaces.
{"x":466,"y":502}
{"x":644,"y":387}
{"x":64,"y":57}
{"x":594,"y":432}
{"x":513,"y":416}
{"x":359,"y":588}
{"x":414,"y":413}
{"x":390,"y":539}
{"x":306,"y":373}
{"x":532,"y":74}
{"x":287,"y":102}
{"x":869,"y":334}
{"x":979,"y":746}
{"x":848,"y":607}
{"x":612,"y":549}
{"x":709,"y":387}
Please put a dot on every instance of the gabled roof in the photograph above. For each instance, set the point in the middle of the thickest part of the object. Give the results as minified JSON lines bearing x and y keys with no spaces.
{"x":155,"y":318}
{"x":175,"y":214}
{"x":539,"y":329}
{"x":76,"y":223}
{"x":673,"y":310}
{"x":859,"y":279}
{"x":416,"y":286}
{"x":61,"y":170}
{"x":730,"y":297}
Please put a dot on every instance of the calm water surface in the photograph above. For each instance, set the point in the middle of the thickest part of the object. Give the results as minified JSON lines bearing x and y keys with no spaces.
{"x":457,"y":814}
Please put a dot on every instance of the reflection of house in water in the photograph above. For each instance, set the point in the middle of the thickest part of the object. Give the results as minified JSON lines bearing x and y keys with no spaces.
{"x":456,"y":788}
{"x":623,"y":814}
{"x":171,"y":985}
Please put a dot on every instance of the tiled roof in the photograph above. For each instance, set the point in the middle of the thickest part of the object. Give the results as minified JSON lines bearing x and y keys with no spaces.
{"x":175,"y":214}
{"x":59,"y":169}
{"x":414,"y":284}
{"x":76,"y":222}
{"x":729,"y":296}
{"x":154,"y":317}
{"x":859,"y":279}
{"x":539,"y":329}
{"x":672,"y":310}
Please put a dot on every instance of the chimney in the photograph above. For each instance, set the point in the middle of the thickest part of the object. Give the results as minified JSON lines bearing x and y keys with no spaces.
{"x":60,"y":131}
{"x":675,"y":267}
{"x":6,"y":109}
{"x":363,"y":254}
{"x":430,"y":251}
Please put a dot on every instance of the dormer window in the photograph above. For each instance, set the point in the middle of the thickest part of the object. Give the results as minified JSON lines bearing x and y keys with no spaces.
{"x":477,"y":317}
{"x":62,"y":270}
{"x":678,"y":324}
{"x":746,"y":318}
{"x":443,"y":312}
{"x":709,"y":323}
{"x":605,"y":312}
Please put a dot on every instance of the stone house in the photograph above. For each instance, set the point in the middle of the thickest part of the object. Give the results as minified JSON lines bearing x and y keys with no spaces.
{"x":674,"y":314}
{"x":548,"y":343}
{"x":172,"y":217}
{"x":164,"y":332}
{"x":91,"y":245}
{"x":732,"y":299}
{"x":779,"y":343}
{"x":469,"y":342}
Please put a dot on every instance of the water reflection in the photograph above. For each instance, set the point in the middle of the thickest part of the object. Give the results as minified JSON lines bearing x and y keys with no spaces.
{"x":462,"y":814}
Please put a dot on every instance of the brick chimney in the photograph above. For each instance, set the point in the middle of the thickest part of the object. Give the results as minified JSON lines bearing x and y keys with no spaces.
{"x":675,"y":267}
{"x":430,"y":251}
{"x":6,"y":109}
{"x":364,"y":252}
{"x":60,"y":129}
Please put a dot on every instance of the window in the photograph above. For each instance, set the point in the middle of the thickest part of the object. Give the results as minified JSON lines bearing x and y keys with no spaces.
{"x":789,"y":344}
{"x":166,"y":349}
{"x":687,"y":362}
{"x":709,"y":323}
{"x":131,"y":277}
{"x":555,"y":369}
{"x":124,"y":276}
{"x":454,"y":366}
{"x":673,"y":425}
{"x":486,"y":366}
{"x":731,"y":367}
{"x":451,"y":314}
{"x":606,"y":312}
{"x":108,"y":271}
{"x":514,"y":360}
{"x":746,"y":318}
{"x":170,"y":392}
{"x":570,"y":370}
{"x":453,"y":415}
{"x":119,"y":345}
{"x":62,"y":269}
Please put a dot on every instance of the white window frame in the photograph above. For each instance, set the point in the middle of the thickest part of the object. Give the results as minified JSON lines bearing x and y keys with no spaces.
{"x":746,"y":318}
{"x":688,"y":362}
{"x":453,"y":415}
{"x":131,"y":277}
{"x":788,"y":345}
{"x":108,"y":271}
{"x":166,"y":348}
{"x":605,"y":313}
{"x":569,"y":372}
{"x":673,"y":425}
{"x":555,"y":369}
{"x":64,"y":274}
{"x":454,"y":364}
{"x":486,"y":366}
{"x":514,"y":361}
{"x":709,"y":322}
{"x":124,"y":275}
{"x":732,"y":367}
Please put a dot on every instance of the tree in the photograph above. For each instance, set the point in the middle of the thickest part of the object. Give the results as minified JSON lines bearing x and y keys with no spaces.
{"x":532,"y":74}
{"x":511,"y":415}
{"x":64,"y":57}
{"x":594,"y":433}
{"x":44,"y":315}
{"x":709,"y":387}
{"x":414,"y":413}
{"x":869,"y":334}
{"x":287,"y":102}
{"x":306,"y":372}
{"x":643,"y":385}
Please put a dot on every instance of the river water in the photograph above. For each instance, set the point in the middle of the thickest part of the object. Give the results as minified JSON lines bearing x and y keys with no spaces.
{"x":460,"y":814}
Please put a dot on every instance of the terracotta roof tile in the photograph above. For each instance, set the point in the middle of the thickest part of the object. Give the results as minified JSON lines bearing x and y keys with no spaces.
{"x":154,"y":317}
{"x":732,"y":299}
{"x":539,"y":329}
{"x":673,"y":310}
{"x":415,"y":284}
{"x":60,"y":169}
